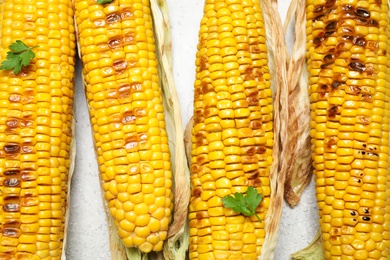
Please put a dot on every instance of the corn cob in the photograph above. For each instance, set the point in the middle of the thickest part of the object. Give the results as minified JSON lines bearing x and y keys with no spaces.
{"x":232,"y":135}
{"x":348,"y":60}
{"x":122,"y":87}
{"x":36,"y":129}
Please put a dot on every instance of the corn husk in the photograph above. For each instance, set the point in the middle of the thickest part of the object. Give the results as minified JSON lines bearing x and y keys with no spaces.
{"x":177,"y":244}
{"x":299,"y":172}
{"x":70,"y":175}
{"x":277,"y":62}
{"x":311,"y":252}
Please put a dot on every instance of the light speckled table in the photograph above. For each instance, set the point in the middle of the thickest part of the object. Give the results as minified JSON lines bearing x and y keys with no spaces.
{"x":88,"y":233}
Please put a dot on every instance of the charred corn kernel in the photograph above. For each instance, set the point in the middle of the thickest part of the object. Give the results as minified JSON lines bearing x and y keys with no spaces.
{"x":36,"y":129}
{"x":350,"y":104}
{"x":122,"y":86}
{"x":232,"y":132}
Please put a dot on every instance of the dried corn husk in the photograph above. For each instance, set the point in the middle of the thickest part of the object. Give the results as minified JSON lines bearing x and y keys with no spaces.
{"x":299,"y":172}
{"x":176,"y":245}
{"x":277,"y":62}
{"x":71,"y":170}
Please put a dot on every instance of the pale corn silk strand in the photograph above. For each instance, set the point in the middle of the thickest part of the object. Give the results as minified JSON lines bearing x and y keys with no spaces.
{"x":233,"y":130}
{"x":36,"y":129}
{"x":122,"y":86}
{"x":348,"y":61}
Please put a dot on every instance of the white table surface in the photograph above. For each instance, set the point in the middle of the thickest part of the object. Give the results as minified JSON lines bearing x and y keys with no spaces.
{"x":88,"y":233}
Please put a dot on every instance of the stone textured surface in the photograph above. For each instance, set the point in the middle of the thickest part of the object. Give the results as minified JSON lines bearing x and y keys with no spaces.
{"x":88,"y":232}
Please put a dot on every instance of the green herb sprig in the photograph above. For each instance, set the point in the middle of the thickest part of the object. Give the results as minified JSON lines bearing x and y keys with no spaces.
{"x":102,"y":2}
{"x":19,"y":57}
{"x":245,"y":204}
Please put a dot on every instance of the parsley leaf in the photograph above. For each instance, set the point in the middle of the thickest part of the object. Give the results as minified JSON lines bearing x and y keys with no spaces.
{"x":101,"y":2}
{"x":19,"y":56}
{"x":244,"y":204}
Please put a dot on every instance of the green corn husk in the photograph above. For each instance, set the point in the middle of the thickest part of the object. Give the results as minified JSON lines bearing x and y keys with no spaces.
{"x":312,"y":251}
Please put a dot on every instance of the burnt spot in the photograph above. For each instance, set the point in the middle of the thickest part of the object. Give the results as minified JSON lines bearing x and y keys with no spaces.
{"x":128,"y":38}
{"x":347,"y":8}
{"x":201,"y":215}
{"x":365,"y":218}
{"x":137,"y":87}
{"x":329,"y":58}
{"x":335,"y":84}
{"x":330,"y":3}
{"x":373,"y":23}
{"x":128,"y":117}
{"x":124,"y":90}
{"x":195,"y":168}
{"x":328,"y":33}
{"x":27,"y":122}
{"x":11,"y":232}
{"x":353,"y":213}
{"x":366,"y":97}
{"x":347,"y":38}
{"x":333,"y":111}
{"x":364,"y":120}
{"x":11,"y":148}
{"x":331,"y":26}
{"x":318,"y":17}
{"x":206,"y":88}
{"x":318,"y":9}
{"x":127,"y":13}
{"x":359,"y":41}
{"x":201,"y":159}
{"x":324,"y":66}
{"x":356,"y":66}
{"x":366,"y":210}
{"x":256,"y":182}
{"x":113,"y":18}
{"x":11,"y":182}
{"x":354,"y":90}
{"x":120,"y":65}
{"x":12,"y":123}
{"x":11,"y":207}
{"x":255,"y":124}
{"x":26,"y":149}
{"x":333,"y":238}
{"x":11,"y":172}
{"x":28,"y":175}
{"x":331,"y":142}
{"x":254,"y":48}
{"x":197,"y":192}
{"x":378,"y":2}
{"x":362,"y":13}
{"x":203,"y":63}
{"x":14,"y":98}
{"x":115,"y":43}
{"x":318,"y":40}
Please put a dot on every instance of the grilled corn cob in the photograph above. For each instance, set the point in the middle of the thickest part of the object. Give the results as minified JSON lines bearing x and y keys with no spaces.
{"x":122,"y":87}
{"x":348,"y":61}
{"x":35,"y":129}
{"x":232,"y":135}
